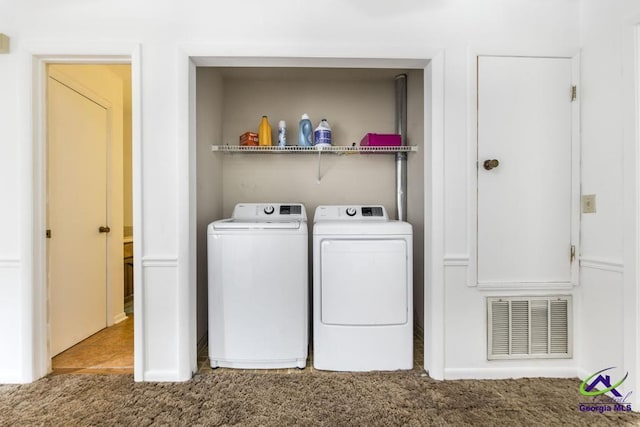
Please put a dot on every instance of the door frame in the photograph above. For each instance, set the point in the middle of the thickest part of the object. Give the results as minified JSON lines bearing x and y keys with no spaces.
{"x":631,"y":260}
{"x":471,"y":260}
{"x":36,"y":297}
{"x":432,"y":62}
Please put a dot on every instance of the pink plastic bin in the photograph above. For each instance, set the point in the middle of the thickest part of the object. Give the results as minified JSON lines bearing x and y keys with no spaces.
{"x":381,"y":140}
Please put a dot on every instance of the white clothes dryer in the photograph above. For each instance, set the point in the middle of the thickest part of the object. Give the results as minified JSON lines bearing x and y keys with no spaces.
{"x":258,"y":287}
{"x":362,"y":290}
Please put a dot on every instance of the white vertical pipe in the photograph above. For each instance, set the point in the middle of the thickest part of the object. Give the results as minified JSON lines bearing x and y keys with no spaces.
{"x":401,"y":158}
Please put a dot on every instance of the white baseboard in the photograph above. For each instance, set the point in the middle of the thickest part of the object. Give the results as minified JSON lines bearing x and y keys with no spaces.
{"x":119,"y":317}
{"x":163,"y":376}
{"x":12,"y":379}
{"x":582,"y":374}
{"x":507,"y":373}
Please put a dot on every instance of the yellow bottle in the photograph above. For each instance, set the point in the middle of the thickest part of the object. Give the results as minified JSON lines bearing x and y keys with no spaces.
{"x":264,"y":132}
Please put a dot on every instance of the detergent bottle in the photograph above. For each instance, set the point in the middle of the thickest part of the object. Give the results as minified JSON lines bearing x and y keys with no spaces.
{"x":264,"y":132}
{"x":282,"y":133}
{"x":305,"y":132}
{"x":322,"y":135}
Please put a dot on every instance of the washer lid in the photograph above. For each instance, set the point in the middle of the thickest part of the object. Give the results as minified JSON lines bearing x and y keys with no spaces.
{"x":242,"y":224}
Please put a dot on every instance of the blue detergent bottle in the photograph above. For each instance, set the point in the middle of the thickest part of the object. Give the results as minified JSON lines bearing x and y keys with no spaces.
{"x":305,"y":132}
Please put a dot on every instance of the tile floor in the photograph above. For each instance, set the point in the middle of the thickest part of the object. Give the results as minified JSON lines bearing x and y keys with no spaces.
{"x":110,"y":351}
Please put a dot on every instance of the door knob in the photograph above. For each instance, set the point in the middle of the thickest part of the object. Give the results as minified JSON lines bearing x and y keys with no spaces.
{"x":490,"y":164}
{"x":104,"y":229}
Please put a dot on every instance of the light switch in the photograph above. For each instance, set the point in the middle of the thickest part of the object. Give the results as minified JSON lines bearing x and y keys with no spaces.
{"x":589,"y":203}
{"x":4,"y":43}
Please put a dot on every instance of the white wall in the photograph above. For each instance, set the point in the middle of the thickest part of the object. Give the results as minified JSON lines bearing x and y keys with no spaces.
{"x":13,"y":277}
{"x":352,"y":108}
{"x":609,"y":170}
{"x":360,"y":28}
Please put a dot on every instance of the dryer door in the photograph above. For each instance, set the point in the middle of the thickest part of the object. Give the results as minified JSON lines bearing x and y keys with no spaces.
{"x":364,"y":282}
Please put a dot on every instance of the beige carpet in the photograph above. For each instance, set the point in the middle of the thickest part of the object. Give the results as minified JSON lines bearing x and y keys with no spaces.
{"x":226,"y":398}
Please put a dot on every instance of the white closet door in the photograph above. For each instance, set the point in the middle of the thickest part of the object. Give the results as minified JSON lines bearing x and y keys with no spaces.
{"x":524,"y":199}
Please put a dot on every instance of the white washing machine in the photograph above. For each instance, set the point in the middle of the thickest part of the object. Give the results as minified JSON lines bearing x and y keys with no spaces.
{"x":258,"y":287}
{"x":362,"y":290}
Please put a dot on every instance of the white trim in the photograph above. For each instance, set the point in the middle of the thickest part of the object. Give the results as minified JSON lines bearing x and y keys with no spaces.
{"x":194,"y":223}
{"x":159,"y":261}
{"x":631,"y":225}
{"x":160,"y":376}
{"x":456,"y":261}
{"x":191,"y":274}
{"x":310,"y":62}
{"x":632,"y":295}
{"x":576,"y":166}
{"x":202,"y":56}
{"x":14,"y":379}
{"x":9,"y":263}
{"x":526,"y":286}
{"x":602,"y":264}
{"x":120,"y":317}
{"x":510,"y":373}
{"x":431,"y":60}
{"x":434,"y":186}
{"x":35,"y":331}
{"x":472,"y":146}
{"x":187,"y":218}
{"x":472,"y":162}
{"x":139,"y":334}
{"x":582,"y":373}
{"x":12,"y":264}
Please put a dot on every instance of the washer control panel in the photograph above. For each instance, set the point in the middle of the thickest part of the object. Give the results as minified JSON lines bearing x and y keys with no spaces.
{"x":351,"y":212}
{"x":270,"y":211}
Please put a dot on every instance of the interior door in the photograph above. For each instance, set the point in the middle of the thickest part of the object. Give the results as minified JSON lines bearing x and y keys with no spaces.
{"x":524,"y":170}
{"x":77,"y":207}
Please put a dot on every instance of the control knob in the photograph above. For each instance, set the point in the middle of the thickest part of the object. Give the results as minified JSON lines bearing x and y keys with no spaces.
{"x":268,"y":210}
{"x":351,"y":211}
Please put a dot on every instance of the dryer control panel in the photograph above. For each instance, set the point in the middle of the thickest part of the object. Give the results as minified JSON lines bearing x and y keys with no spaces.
{"x":351,"y":212}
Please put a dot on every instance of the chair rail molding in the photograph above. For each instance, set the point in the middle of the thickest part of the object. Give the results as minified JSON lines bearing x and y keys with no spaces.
{"x":600,"y":263}
{"x":9,"y":263}
{"x":456,"y":260}
{"x":160,"y":261}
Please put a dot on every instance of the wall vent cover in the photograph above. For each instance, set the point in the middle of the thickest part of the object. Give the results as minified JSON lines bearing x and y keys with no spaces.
{"x":529,"y":327}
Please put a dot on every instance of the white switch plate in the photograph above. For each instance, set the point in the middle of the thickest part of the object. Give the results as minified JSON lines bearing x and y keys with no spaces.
{"x":4,"y":43}
{"x":589,"y":203}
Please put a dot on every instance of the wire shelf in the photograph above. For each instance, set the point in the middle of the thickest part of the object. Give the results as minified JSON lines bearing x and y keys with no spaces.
{"x":339,"y":149}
